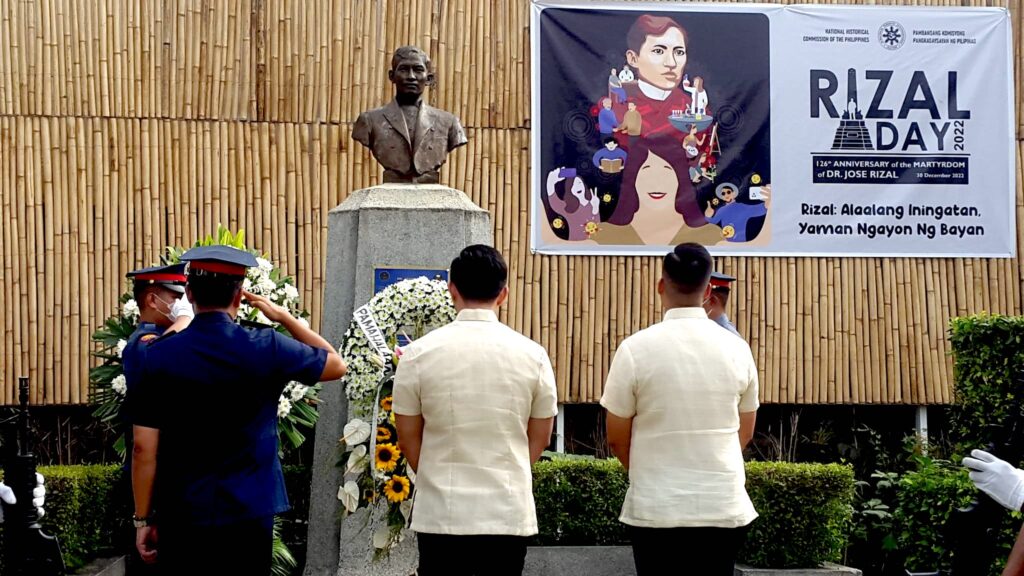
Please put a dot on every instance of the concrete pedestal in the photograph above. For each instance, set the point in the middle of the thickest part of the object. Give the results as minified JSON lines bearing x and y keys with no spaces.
{"x":394,"y":225}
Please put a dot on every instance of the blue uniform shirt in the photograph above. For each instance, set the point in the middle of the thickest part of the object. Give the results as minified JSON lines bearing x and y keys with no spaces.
{"x":213,"y":391}
{"x":131,"y":363}
{"x":724,"y":322}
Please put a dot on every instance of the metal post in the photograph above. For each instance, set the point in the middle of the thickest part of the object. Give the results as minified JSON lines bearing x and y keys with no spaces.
{"x":921,"y":426}
{"x":560,"y":430}
{"x":27,"y":549}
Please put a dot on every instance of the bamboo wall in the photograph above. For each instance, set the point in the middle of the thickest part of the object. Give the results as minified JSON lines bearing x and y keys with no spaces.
{"x":127,"y":126}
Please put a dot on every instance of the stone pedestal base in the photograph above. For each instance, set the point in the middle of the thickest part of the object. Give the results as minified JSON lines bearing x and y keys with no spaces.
{"x":394,"y":225}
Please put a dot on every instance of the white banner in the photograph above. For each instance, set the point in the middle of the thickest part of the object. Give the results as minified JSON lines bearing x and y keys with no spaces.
{"x":769,"y":130}
{"x":364,"y":318}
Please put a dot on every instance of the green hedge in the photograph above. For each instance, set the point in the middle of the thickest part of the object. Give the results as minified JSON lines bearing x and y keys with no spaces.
{"x":925,"y":499}
{"x":578,"y":503}
{"x":805,"y":514}
{"x":988,"y":353}
{"x":88,"y":509}
{"x":85,"y":510}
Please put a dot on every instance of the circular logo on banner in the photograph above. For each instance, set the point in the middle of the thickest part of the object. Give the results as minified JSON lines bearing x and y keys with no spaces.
{"x":891,"y":35}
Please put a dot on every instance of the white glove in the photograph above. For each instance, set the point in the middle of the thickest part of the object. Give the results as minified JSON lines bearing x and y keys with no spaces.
{"x":38,"y":496}
{"x":182,"y":308}
{"x":997,"y":478}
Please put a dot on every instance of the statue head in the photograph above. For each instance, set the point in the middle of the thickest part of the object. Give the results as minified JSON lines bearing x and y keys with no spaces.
{"x":411,"y":71}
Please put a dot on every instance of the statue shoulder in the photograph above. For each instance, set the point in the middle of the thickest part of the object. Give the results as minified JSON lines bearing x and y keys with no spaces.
{"x":441,"y":116}
{"x":364,"y":125}
{"x":370,"y":116}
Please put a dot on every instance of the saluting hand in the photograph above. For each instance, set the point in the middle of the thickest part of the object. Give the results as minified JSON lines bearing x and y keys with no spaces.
{"x":272,"y":311}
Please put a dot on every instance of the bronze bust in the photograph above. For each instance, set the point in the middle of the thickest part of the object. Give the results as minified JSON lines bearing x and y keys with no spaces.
{"x":410,"y":139}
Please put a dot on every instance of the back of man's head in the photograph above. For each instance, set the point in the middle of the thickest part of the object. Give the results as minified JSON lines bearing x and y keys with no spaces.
{"x":479,"y":273}
{"x":214,"y":292}
{"x":687,"y":269}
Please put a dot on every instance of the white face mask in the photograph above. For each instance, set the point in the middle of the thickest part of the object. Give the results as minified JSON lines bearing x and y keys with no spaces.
{"x":169,"y":306}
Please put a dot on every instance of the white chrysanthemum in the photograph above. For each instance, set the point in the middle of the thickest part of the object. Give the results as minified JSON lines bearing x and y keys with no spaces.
{"x":119,"y":384}
{"x":266,"y":285}
{"x":284,"y":406}
{"x":304,"y":322}
{"x":247,"y":285}
{"x":291,"y":293}
{"x":298,"y":392}
{"x":262,"y":318}
{"x":264,"y":265}
{"x":130,"y":309}
{"x":414,"y":302}
{"x":121,"y":344}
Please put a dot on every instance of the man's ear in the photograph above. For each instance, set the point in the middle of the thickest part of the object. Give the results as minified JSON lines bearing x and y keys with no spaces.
{"x":708,"y":294}
{"x":631,"y":58}
{"x":502,"y":296}
{"x":431,"y":79}
{"x":661,"y":285}
{"x":237,"y":301}
{"x":148,"y":300}
{"x":391,"y":75}
{"x":456,"y":297}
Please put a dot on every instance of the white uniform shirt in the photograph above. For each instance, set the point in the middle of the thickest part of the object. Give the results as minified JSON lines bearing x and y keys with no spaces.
{"x":684,"y":382}
{"x":477,"y":383}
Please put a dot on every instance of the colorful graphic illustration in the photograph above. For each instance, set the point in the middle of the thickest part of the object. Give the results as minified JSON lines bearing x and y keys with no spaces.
{"x":646,"y":116}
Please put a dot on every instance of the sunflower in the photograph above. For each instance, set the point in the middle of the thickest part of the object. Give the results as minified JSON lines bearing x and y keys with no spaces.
{"x":607,"y":198}
{"x":590,"y":228}
{"x":383,"y":434}
{"x":385,"y":403}
{"x":755,"y":179}
{"x":557,"y":223}
{"x":728,"y":232}
{"x":396,"y":488}
{"x":369,"y":495}
{"x":387,"y":457}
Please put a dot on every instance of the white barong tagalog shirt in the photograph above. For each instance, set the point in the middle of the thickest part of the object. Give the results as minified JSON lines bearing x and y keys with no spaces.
{"x":684,"y":382}
{"x":477,"y":383}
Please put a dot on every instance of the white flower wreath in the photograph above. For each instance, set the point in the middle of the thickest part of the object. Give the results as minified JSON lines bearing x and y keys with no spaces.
{"x":376,"y":470}
{"x":407,"y":305}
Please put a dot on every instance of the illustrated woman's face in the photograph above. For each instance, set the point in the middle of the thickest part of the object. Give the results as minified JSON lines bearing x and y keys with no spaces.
{"x":656,"y":184}
{"x":579,"y":189}
{"x":661,"y":59}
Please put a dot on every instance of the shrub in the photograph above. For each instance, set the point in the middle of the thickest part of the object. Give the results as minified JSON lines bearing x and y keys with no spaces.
{"x":88,"y":509}
{"x":805,"y":514}
{"x":578,"y":503}
{"x":988,"y":355}
{"x":85,"y":510}
{"x":925,"y":499}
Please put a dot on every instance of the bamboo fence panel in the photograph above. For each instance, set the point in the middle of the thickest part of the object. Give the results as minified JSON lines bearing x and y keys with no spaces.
{"x":126,"y":127}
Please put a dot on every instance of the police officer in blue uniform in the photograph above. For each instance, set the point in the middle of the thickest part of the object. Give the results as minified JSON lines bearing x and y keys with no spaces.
{"x":715,"y":305}
{"x":206,"y":425}
{"x":159,"y":292}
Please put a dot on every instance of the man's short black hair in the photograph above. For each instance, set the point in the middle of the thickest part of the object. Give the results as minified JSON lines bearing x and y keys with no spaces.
{"x":217,"y":291}
{"x":610,"y":140}
{"x":688,"y":268}
{"x":479,"y":273}
{"x":722,"y":292}
{"x":139,"y":292}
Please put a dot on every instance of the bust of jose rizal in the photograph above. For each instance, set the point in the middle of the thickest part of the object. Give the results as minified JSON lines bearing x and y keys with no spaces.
{"x":409,"y":138}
